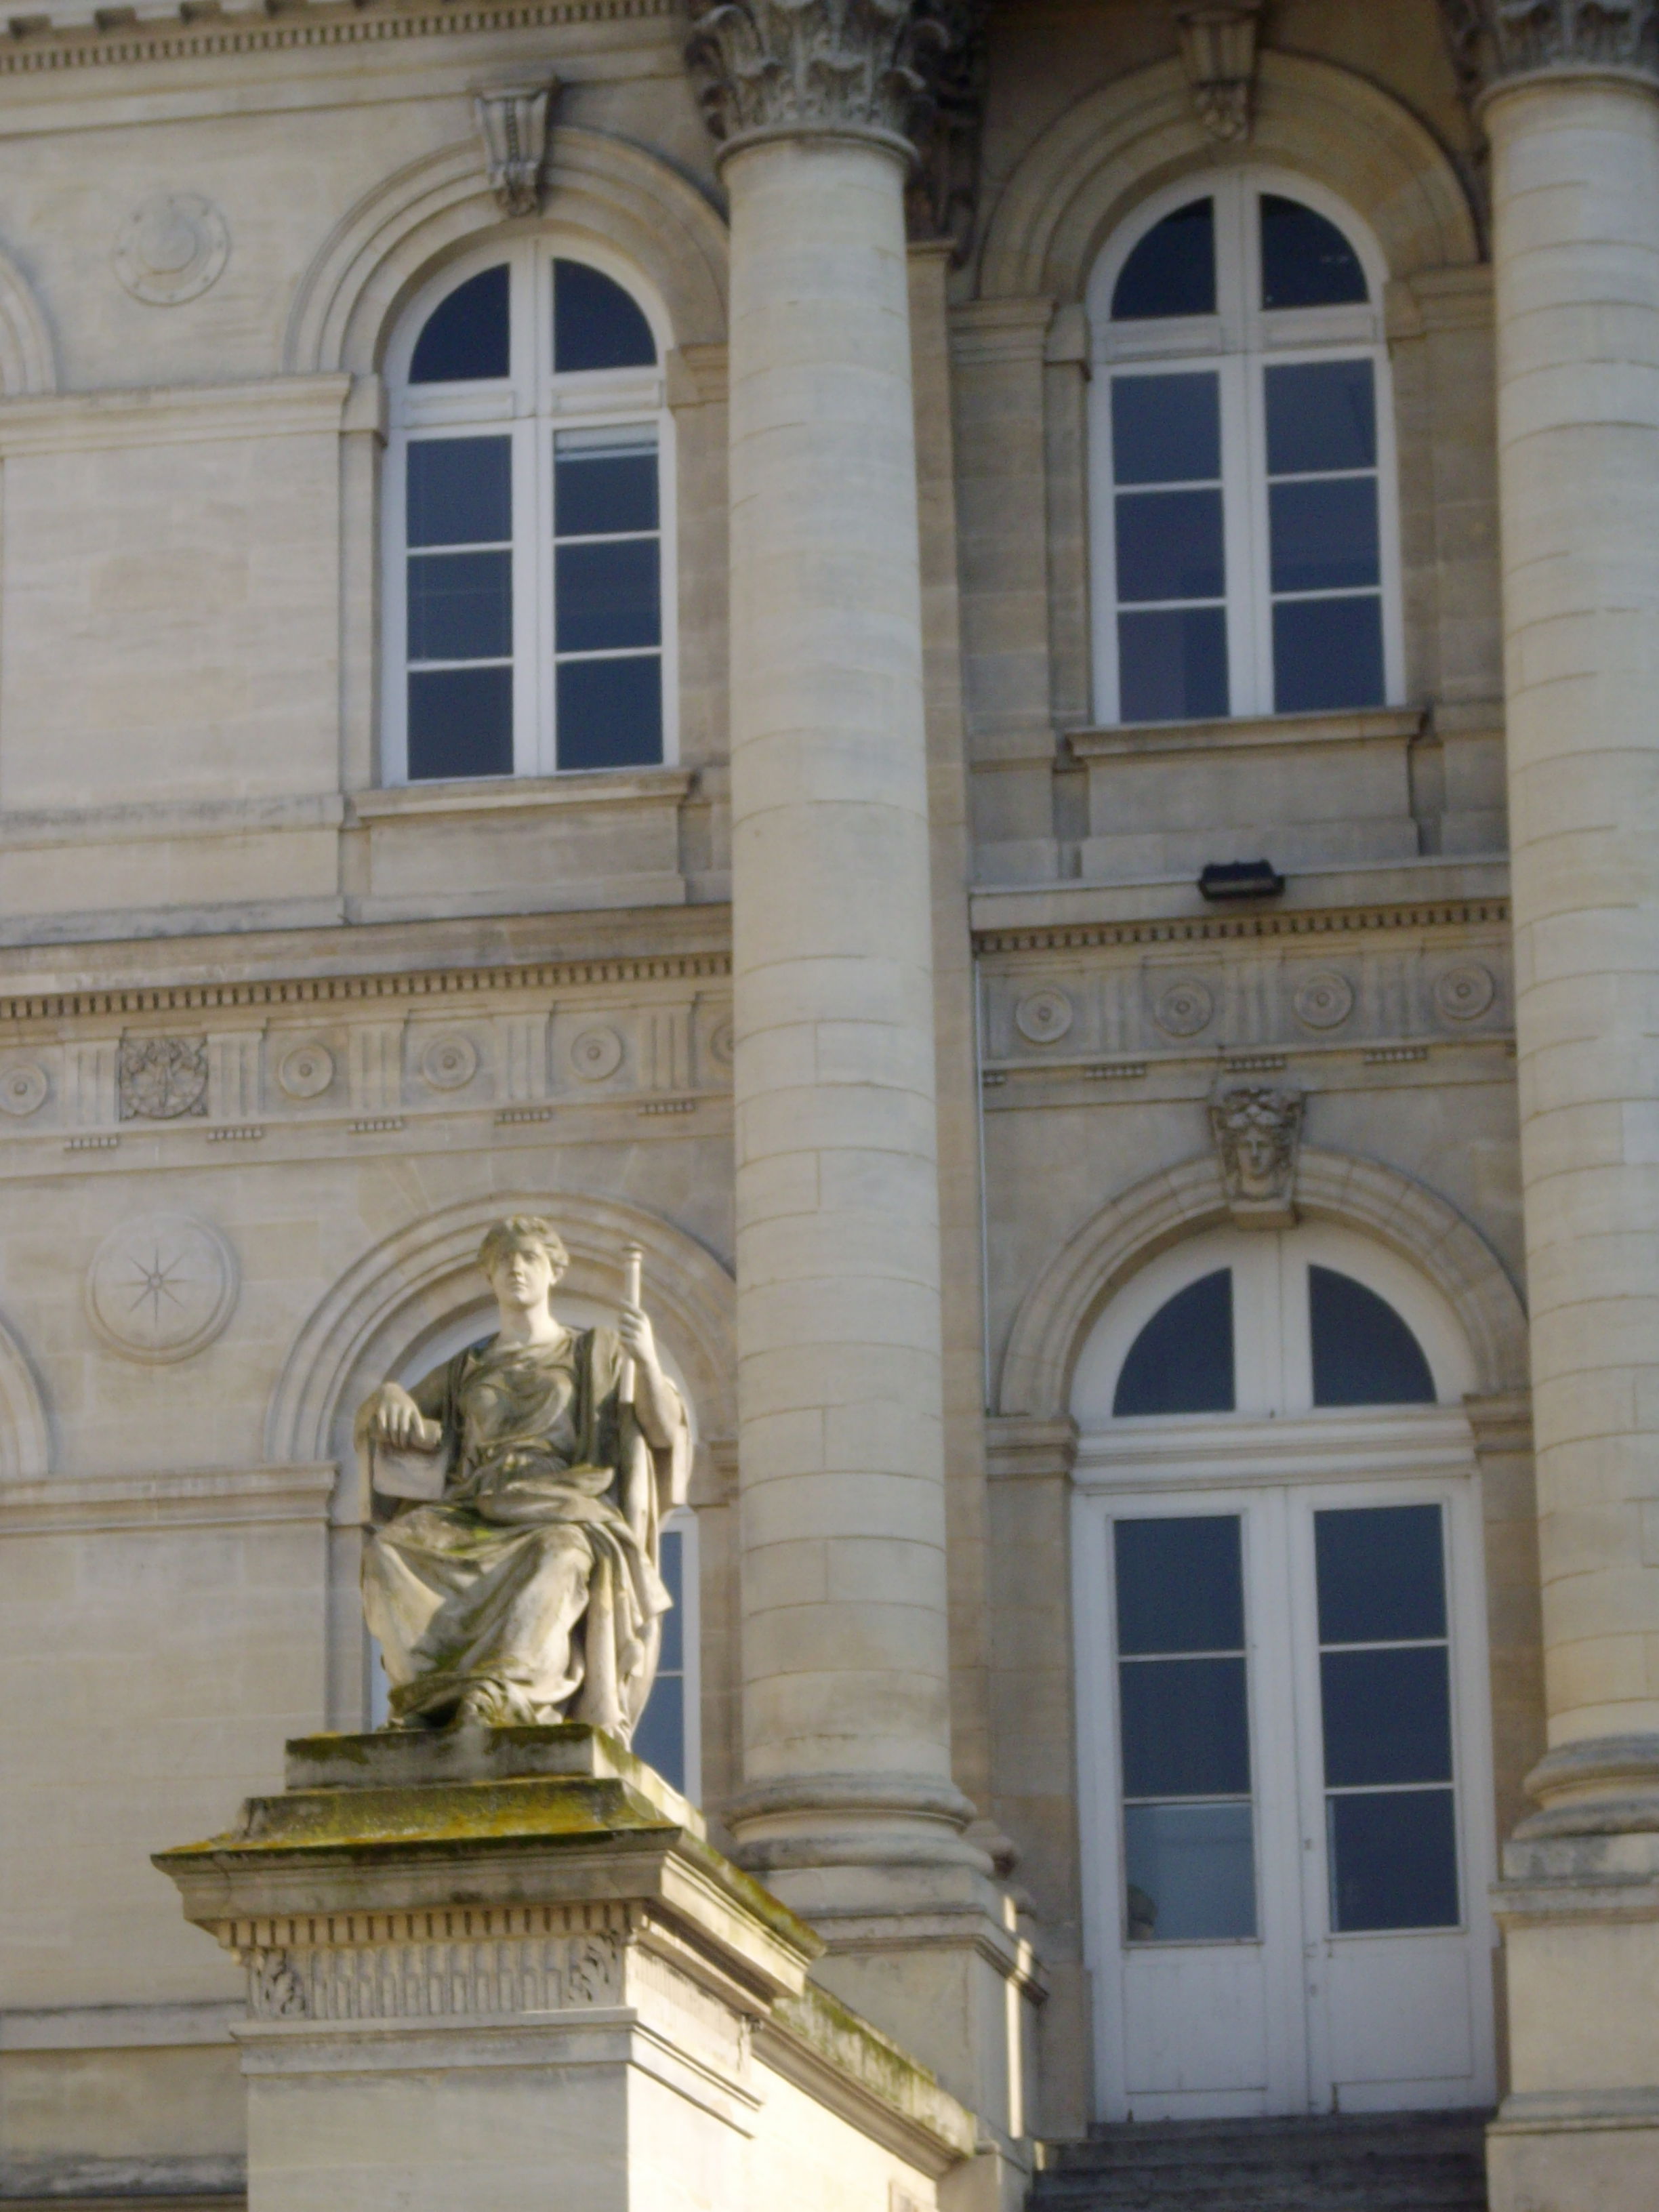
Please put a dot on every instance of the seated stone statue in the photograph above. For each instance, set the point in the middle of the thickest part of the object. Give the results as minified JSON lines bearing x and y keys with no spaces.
{"x":527,"y":1590}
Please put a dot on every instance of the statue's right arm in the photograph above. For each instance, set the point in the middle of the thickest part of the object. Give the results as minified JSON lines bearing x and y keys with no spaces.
{"x":394,"y":1416}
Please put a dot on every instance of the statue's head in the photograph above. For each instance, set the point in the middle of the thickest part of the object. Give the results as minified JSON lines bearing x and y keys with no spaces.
{"x":524,"y":1257}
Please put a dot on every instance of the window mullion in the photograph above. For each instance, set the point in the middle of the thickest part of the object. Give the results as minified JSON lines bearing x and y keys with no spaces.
{"x":1243,"y":557}
{"x":395,"y":609}
{"x":527,"y":680}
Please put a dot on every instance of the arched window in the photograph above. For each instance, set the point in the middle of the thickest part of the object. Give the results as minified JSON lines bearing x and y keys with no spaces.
{"x":1242,"y":494}
{"x":1259,"y":1321}
{"x":528,"y":569}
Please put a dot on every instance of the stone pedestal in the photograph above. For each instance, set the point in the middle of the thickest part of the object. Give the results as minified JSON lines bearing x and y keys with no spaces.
{"x":495,"y":1969}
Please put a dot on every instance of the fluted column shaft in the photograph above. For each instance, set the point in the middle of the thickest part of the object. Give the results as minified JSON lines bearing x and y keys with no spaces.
{"x":1575,"y":227}
{"x":845,"y":1659}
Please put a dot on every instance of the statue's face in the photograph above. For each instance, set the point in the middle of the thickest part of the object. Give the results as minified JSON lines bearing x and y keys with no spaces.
{"x":1258,"y":1155}
{"x":523,"y":1278}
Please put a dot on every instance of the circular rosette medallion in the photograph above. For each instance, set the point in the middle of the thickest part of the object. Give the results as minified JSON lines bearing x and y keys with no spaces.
{"x":596,"y":1055}
{"x":450,"y":1061}
{"x":23,"y":1089}
{"x":307,"y":1070}
{"x":171,"y":248}
{"x":1464,"y":993}
{"x":161,"y":1287}
{"x":1183,"y":1008}
{"x":1323,"y":1000}
{"x":1043,"y":1017}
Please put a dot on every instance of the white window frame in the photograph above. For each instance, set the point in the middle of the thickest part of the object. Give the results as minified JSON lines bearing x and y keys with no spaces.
{"x":530,"y":405}
{"x":1277,"y":1443}
{"x":1237,"y":343}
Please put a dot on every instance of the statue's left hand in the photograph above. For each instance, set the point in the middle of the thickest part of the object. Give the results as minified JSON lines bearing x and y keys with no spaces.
{"x":639,"y":1341}
{"x":655,"y":1402}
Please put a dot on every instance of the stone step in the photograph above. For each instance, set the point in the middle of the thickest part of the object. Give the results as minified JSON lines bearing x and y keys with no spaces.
{"x":1410,"y":2162}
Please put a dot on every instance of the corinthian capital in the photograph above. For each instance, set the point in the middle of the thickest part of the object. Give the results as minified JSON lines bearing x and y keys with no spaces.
{"x":770,"y":67}
{"x":1493,"y":40}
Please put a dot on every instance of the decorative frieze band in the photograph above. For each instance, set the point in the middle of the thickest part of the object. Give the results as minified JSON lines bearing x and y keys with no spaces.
{"x":1494,"y":40}
{"x":1216,"y":929}
{"x":1116,"y":1009}
{"x":424,"y":1981}
{"x":39,"y":42}
{"x":659,"y":1047}
{"x":770,"y":67}
{"x":332,"y":990}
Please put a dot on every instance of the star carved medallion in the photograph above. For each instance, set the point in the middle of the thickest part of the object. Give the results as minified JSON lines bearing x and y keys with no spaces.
{"x":161,"y":1287}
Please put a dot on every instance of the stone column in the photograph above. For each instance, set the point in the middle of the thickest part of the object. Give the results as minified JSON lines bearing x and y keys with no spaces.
{"x":1570,"y":108}
{"x":849,"y":1805}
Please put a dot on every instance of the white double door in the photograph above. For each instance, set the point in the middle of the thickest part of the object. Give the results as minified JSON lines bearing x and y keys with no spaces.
{"x":1286,"y":1790}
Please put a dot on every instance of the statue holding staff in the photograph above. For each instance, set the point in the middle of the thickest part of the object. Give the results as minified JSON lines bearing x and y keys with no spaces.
{"x":516,"y":1582}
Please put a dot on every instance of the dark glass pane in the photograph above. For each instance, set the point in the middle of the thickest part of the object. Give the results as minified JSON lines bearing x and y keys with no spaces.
{"x":1190,"y":1872}
{"x":1327,"y":654}
{"x":597,"y":494}
{"x":1305,"y":260}
{"x":1169,"y":546}
{"x":607,"y":596}
{"x":1166,"y":429}
{"x":1172,"y":665}
{"x":1180,"y":1585}
{"x":1172,"y":270}
{"x":1321,"y":416}
{"x":465,"y":335}
{"x":1381,"y":1577}
{"x":1387,"y":1715}
{"x":610,"y":712}
{"x":1182,"y":1361}
{"x":1324,"y":535}
{"x":595,"y":324}
{"x":460,"y":491}
{"x":460,"y":723}
{"x":659,"y":1739}
{"x":672,"y":1658}
{"x":1363,"y":1353}
{"x":1185,"y":1733}
{"x":1393,"y":1861}
{"x":460,"y":606}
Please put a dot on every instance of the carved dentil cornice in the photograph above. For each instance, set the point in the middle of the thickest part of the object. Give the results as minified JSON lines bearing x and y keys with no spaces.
{"x":1495,"y":41}
{"x":783,"y":68}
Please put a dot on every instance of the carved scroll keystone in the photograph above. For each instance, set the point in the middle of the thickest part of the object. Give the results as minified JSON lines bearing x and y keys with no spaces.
{"x":1218,"y":52}
{"x":785,"y":68}
{"x":512,"y":123}
{"x":1258,"y":1139}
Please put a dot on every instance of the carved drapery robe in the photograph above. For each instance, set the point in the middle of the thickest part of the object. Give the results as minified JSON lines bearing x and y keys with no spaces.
{"x":531,"y":1587}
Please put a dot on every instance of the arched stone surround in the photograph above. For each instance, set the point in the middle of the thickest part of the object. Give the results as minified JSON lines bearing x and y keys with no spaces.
{"x":24,"y":1431}
{"x":1057,"y":1309}
{"x":1130,"y":137}
{"x":28,"y":357}
{"x":412,"y":1283}
{"x":594,"y":186}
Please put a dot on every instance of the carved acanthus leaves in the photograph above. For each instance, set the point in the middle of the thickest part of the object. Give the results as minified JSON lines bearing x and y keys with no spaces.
{"x":1492,"y":40}
{"x":808,"y":65}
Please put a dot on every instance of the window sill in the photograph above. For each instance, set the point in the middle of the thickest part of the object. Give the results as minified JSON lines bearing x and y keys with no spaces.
{"x":1353,"y":725}
{"x":521,"y":795}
